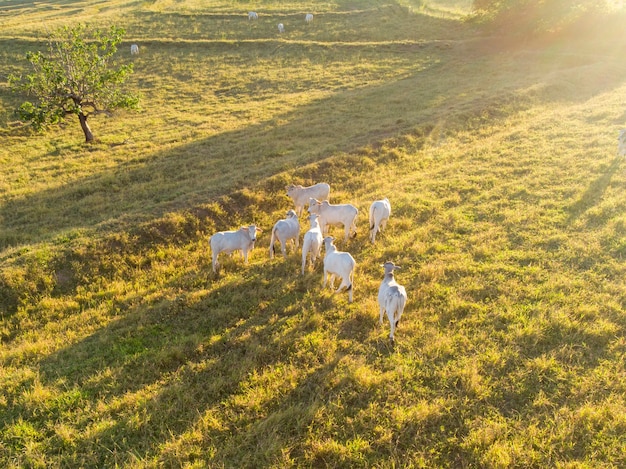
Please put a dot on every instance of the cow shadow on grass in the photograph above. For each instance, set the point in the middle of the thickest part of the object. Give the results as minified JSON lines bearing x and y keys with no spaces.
{"x":594,"y":193}
{"x":172,"y":362}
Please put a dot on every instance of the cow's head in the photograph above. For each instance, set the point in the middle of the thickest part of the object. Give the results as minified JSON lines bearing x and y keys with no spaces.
{"x":390,"y":267}
{"x":252,"y":232}
{"x":291,"y":188}
{"x":314,"y":206}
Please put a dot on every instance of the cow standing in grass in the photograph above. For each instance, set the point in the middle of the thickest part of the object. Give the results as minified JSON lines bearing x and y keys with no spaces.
{"x":391,"y":298}
{"x":228,"y":241}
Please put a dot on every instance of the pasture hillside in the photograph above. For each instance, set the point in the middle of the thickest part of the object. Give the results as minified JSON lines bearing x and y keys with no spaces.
{"x":120,"y":348}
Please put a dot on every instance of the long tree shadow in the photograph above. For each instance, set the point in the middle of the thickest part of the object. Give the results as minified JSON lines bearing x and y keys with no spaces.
{"x":347,"y":120}
{"x":215,"y":166}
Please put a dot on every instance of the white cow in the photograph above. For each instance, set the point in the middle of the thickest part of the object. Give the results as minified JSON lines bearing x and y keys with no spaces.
{"x":335,"y":214}
{"x":341,"y":264}
{"x":621,"y":139}
{"x":308,"y":18}
{"x":301,"y":195}
{"x":281,"y":28}
{"x":252,"y":15}
{"x":312,"y":241}
{"x":380,"y":210}
{"x":283,"y":231}
{"x":391,"y":298}
{"x":228,"y":241}
{"x":134,"y":49}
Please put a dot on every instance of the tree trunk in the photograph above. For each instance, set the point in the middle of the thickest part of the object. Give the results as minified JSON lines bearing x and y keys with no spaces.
{"x":87,"y":131}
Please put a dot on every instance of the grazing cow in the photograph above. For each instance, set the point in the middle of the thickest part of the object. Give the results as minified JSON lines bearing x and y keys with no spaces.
{"x":312,"y":241}
{"x":335,"y":214}
{"x":308,"y":18}
{"x":252,"y":15}
{"x":134,"y":49}
{"x":228,"y":241}
{"x":621,"y":139}
{"x":341,"y":264}
{"x":281,"y":28}
{"x":283,"y":231}
{"x":380,"y":210}
{"x":301,"y":195}
{"x":391,"y":298}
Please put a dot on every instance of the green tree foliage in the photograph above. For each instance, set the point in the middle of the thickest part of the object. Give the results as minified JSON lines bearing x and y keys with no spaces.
{"x":76,"y":76}
{"x":532,"y":16}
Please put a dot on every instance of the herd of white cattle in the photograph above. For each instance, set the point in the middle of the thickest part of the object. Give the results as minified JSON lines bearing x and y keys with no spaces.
{"x":252,"y":16}
{"x":392,"y":297}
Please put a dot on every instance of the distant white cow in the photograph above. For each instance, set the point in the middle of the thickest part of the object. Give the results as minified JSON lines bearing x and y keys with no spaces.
{"x":281,"y":28}
{"x":283,"y":231}
{"x":380,"y":210}
{"x":391,"y":298}
{"x":312,"y":241}
{"x":134,"y":49}
{"x":621,"y":139}
{"x":341,"y":264}
{"x":336,"y":215}
{"x":308,"y":18}
{"x":228,"y":241}
{"x":252,"y":15}
{"x":301,"y":195}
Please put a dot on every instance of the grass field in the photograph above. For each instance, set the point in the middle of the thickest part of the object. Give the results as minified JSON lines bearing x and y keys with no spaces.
{"x":120,"y":348}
